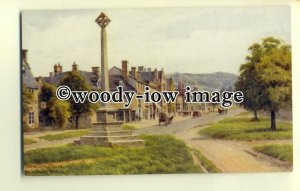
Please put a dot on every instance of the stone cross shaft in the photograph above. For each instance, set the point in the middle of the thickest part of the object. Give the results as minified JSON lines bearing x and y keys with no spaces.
{"x":103,"y":21}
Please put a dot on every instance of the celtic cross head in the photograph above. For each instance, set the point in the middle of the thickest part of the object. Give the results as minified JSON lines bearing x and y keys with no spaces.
{"x":102,"y":20}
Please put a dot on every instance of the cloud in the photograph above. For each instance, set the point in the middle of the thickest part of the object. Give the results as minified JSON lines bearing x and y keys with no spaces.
{"x":194,"y":40}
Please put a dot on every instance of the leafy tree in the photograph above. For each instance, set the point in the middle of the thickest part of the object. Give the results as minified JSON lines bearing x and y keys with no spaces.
{"x":265,"y":78}
{"x":75,"y":82}
{"x":275,"y":73}
{"x":56,"y":110}
{"x":61,"y":113}
{"x":249,"y":83}
{"x":47,"y":95}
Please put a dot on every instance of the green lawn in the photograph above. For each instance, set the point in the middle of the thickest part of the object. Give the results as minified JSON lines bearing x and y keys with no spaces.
{"x":161,"y":154}
{"x":281,"y":151}
{"x":28,"y":141}
{"x":128,"y":126}
{"x":242,"y":128}
{"x":60,"y":136}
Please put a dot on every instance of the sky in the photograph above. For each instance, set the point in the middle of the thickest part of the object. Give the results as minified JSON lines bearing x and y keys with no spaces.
{"x":185,"y":40}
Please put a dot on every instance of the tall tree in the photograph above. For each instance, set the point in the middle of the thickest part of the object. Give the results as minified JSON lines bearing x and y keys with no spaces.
{"x":249,"y":83}
{"x":77,"y":83}
{"x":275,"y":73}
{"x":265,"y":78}
{"x":55,"y":110}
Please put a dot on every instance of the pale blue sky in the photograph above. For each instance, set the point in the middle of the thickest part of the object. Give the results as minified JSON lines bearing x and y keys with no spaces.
{"x":190,"y":40}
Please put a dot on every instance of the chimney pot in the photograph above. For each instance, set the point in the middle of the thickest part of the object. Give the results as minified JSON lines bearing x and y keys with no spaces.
{"x":74,"y":67}
{"x":133,"y":72}
{"x":125,"y":69}
{"x":155,"y":73}
{"x":141,"y":68}
{"x":57,"y":68}
{"x":24,"y":55}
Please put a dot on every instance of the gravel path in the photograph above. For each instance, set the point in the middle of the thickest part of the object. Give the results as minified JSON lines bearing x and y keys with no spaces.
{"x":234,"y":156}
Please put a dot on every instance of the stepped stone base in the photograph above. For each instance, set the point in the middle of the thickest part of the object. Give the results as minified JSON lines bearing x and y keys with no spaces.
{"x":110,"y":141}
{"x":110,"y":134}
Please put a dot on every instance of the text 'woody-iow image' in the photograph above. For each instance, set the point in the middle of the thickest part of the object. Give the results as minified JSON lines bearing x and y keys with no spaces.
{"x":156,"y":91}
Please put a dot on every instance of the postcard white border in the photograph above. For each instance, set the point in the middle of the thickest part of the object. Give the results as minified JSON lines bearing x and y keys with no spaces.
{"x":10,"y":167}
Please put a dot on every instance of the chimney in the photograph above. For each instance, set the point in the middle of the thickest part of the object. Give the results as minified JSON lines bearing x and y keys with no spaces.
{"x":51,"y":74}
{"x":74,"y":67}
{"x":133,"y":72}
{"x":140,"y":68}
{"x":57,"y":68}
{"x":139,"y":76}
{"x":24,"y":55}
{"x":125,"y":69}
{"x":96,"y":70}
{"x":155,"y":74}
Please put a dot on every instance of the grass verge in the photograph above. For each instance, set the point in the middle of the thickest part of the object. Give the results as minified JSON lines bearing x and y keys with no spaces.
{"x":207,"y":164}
{"x":242,"y":128}
{"x":60,"y":136}
{"x":128,"y":126}
{"x":28,"y":141}
{"x":283,"y":152}
{"x":162,"y":154}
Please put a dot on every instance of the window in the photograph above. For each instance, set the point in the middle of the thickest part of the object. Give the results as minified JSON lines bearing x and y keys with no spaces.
{"x":31,"y":117}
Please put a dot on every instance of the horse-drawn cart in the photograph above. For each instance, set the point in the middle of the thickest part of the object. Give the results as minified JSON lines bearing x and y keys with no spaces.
{"x":196,"y":114}
{"x":163,"y":118}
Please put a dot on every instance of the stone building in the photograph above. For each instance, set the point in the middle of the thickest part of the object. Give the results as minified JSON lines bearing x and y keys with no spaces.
{"x":182,"y":106}
{"x":30,"y":119}
{"x":91,"y":77}
{"x":137,"y":79}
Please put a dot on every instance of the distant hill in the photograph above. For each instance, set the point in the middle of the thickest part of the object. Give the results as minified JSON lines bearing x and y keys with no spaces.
{"x":209,"y":82}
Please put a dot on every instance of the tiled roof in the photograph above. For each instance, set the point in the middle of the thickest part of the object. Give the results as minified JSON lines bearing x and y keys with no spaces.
{"x":90,"y":77}
{"x":114,"y":82}
{"x":27,"y":77}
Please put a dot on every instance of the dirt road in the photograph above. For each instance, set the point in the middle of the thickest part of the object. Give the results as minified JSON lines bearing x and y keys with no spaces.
{"x":189,"y":123}
{"x":233,"y":156}
{"x":229,"y":156}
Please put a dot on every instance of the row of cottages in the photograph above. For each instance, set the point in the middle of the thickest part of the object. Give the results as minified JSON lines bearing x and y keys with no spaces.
{"x":134,"y":80}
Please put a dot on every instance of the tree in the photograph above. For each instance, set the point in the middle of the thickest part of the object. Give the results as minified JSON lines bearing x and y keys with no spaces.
{"x":275,"y":73}
{"x":265,"y":78}
{"x":75,"y":82}
{"x":55,"y":110}
{"x":61,"y":113}
{"x":249,"y":83}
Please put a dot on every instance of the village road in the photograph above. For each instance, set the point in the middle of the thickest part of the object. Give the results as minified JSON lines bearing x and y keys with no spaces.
{"x":184,"y":125}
